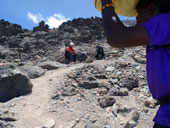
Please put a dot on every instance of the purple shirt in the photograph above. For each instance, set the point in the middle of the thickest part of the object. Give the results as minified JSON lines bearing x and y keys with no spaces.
{"x":158,"y":63}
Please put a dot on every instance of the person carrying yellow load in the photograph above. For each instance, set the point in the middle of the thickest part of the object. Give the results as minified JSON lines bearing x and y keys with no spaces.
{"x":152,"y":30}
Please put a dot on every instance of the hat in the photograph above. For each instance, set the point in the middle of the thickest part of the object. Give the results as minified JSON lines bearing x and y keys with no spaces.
{"x":122,"y":7}
{"x":71,"y":44}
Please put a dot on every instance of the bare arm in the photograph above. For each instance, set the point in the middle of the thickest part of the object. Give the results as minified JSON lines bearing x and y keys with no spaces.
{"x":119,"y":35}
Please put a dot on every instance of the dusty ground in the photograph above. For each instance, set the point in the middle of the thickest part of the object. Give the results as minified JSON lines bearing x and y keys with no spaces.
{"x":37,"y":108}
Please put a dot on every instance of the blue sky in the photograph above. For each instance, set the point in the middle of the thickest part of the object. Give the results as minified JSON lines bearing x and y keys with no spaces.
{"x":28,"y":13}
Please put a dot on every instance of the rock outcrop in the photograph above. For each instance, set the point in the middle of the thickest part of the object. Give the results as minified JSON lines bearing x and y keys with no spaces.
{"x":13,"y":83}
{"x":49,"y":44}
{"x":8,"y":29}
{"x":42,"y":27}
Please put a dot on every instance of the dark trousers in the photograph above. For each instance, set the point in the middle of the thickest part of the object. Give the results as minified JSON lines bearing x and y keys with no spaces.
{"x":160,"y":126}
{"x":70,"y":57}
{"x":162,"y":101}
{"x":100,"y":56}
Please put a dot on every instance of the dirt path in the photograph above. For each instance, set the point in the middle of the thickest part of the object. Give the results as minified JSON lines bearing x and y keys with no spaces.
{"x":36,"y":109}
{"x":32,"y":112}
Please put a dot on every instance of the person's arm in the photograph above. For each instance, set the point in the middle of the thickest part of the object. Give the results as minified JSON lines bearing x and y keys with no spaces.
{"x":117,"y":34}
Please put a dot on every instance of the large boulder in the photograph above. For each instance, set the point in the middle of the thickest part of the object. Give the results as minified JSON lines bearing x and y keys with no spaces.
{"x":13,"y":83}
{"x":32,"y":71}
{"x":49,"y":65}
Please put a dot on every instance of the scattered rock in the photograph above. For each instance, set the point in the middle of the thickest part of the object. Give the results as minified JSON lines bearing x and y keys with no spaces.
{"x":49,"y":124}
{"x":88,"y":84}
{"x":118,"y":92}
{"x":114,"y":110}
{"x":69,"y":91}
{"x":8,"y":119}
{"x":150,"y":104}
{"x":139,"y":59}
{"x":55,"y":96}
{"x":123,"y":92}
{"x":123,"y":110}
{"x":130,"y":124}
{"x":130,"y":83}
{"x":102,"y":91}
{"x":73,"y":123}
{"x":110,"y":69}
{"x":135,"y":116}
{"x":106,"y":101}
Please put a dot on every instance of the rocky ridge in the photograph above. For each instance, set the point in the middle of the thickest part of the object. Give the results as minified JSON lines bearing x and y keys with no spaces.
{"x":43,"y":43}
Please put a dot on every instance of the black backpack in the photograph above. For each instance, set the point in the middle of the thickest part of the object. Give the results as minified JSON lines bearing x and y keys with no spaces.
{"x":100,"y":53}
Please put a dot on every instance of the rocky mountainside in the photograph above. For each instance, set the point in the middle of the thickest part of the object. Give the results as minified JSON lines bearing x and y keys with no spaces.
{"x":23,"y":45}
{"x":38,"y":90}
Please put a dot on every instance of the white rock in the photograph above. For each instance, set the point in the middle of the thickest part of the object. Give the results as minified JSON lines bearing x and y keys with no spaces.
{"x":130,"y":124}
{"x":119,"y":73}
{"x":49,"y":124}
{"x":138,"y":67}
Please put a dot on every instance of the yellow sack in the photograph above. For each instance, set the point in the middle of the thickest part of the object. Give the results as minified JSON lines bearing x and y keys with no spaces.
{"x":122,"y":7}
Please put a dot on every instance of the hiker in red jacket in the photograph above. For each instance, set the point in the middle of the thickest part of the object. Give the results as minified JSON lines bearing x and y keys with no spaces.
{"x":70,"y":53}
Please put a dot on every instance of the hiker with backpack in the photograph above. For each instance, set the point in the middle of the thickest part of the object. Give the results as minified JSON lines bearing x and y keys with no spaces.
{"x":70,"y":53}
{"x":100,"y":53}
{"x":152,"y":30}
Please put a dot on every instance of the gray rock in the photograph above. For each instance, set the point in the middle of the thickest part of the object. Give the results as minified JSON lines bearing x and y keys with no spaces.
{"x":113,"y":81}
{"x":114,"y":91}
{"x":32,"y":71}
{"x":49,"y":124}
{"x":49,"y":65}
{"x":55,"y":96}
{"x":13,"y":83}
{"x":9,"y":119}
{"x":69,"y":91}
{"x":106,"y":101}
{"x":139,"y":59}
{"x":110,"y":69}
{"x":150,"y":103}
{"x":90,"y":125}
{"x":42,"y":27}
{"x":88,"y":84}
{"x":135,"y":116}
{"x":130,"y":124}
{"x":130,"y":83}
{"x":118,"y":92}
{"x":123,"y":92}
{"x":114,"y":110}
{"x":2,"y":125}
{"x":101,"y":76}
{"x":123,"y":110}
{"x":8,"y":29}
{"x":6,"y":52}
{"x":81,"y":57}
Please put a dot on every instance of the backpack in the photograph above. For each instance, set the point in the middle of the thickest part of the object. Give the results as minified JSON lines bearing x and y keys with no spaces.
{"x":100,"y":53}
